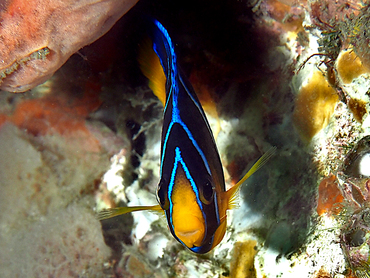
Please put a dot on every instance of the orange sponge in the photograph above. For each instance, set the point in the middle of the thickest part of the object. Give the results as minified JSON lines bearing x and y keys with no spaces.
{"x":38,"y":36}
{"x":58,"y":114}
{"x":330,"y":196}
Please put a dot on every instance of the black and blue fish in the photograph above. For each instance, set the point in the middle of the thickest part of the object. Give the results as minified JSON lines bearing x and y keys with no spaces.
{"x":191,"y":191}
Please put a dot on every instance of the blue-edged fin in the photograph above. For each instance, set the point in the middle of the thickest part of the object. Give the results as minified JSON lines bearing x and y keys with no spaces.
{"x":112,"y":212}
{"x":233,"y":193}
{"x":151,"y":67}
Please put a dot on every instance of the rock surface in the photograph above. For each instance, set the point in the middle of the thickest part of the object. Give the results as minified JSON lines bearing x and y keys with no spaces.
{"x":38,"y":36}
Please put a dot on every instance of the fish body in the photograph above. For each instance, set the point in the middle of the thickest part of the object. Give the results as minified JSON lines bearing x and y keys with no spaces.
{"x":191,"y":170}
{"x":191,"y":190}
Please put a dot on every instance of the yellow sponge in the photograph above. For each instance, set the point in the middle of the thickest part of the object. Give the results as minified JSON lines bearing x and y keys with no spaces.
{"x":242,"y":262}
{"x":349,"y":66}
{"x":314,"y":106}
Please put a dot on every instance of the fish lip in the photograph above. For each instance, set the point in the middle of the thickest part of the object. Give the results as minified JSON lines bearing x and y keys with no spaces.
{"x":188,"y":233}
{"x":191,"y":237}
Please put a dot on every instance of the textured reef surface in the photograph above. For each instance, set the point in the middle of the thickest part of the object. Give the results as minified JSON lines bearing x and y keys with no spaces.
{"x":38,"y":36}
{"x":287,"y":73}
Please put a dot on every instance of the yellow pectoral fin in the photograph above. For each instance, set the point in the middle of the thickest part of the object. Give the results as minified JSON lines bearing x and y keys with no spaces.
{"x":219,"y":234}
{"x":112,"y":212}
{"x":232,"y":193}
{"x":151,"y":67}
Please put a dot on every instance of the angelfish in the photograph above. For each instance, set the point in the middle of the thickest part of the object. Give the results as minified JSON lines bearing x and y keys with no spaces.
{"x":191,"y":191}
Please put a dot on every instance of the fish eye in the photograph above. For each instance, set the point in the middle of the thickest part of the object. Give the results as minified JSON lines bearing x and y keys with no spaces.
{"x":161,"y":195}
{"x":207,"y":192}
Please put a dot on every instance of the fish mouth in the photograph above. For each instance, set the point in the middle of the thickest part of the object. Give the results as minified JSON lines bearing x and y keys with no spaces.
{"x":191,"y":238}
{"x":190,"y":232}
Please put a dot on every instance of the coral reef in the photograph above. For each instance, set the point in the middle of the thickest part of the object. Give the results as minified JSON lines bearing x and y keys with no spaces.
{"x":66,"y":243}
{"x":359,"y":36}
{"x":354,"y":191}
{"x":42,"y":233}
{"x":285,"y":73}
{"x":38,"y":36}
{"x":52,"y":160}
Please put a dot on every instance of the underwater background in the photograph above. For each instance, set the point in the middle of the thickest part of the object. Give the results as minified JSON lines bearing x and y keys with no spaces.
{"x":80,"y":131}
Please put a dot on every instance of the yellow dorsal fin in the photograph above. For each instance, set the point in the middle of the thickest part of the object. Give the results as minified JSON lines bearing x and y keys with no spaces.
{"x":112,"y":212}
{"x":151,"y":67}
{"x":233,"y":192}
